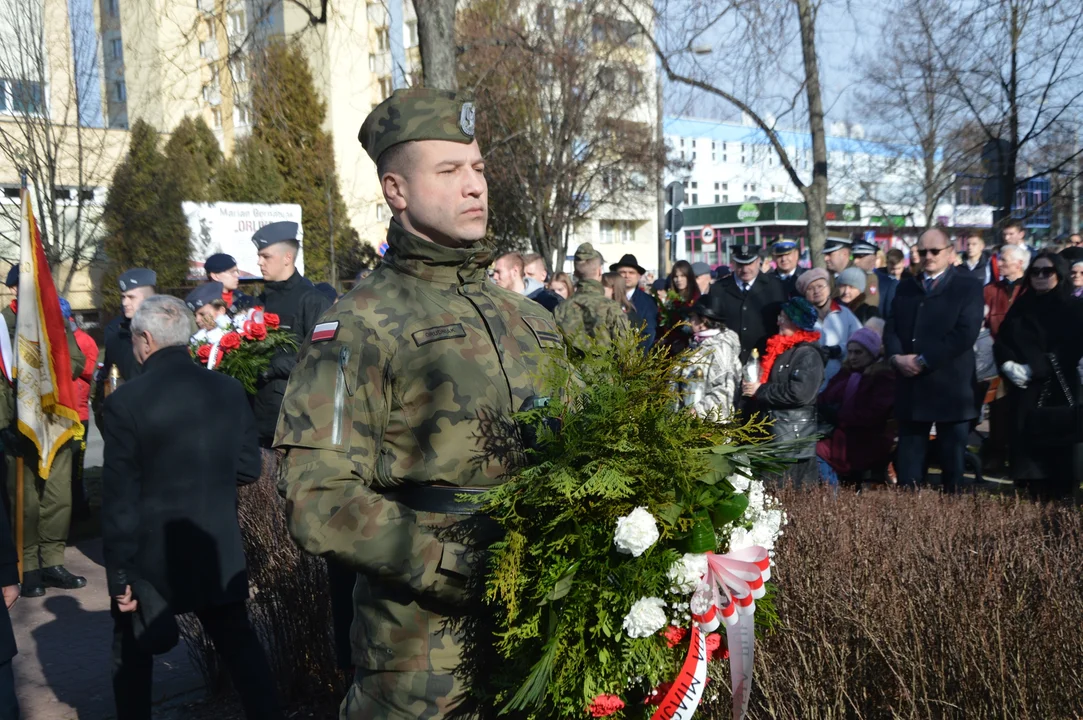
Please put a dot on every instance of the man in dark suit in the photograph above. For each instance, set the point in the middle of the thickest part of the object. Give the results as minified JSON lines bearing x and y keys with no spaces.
{"x":787,"y":270}
{"x":178,"y":440}
{"x":645,"y":307}
{"x":752,"y":300}
{"x":929,"y":338}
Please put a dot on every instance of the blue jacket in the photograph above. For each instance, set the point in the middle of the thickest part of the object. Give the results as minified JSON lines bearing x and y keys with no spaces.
{"x":647,"y":311}
{"x":888,"y":287}
{"x":941,"y":326}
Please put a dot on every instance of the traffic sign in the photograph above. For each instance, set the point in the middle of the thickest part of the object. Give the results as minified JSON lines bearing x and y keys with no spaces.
{"x":707,"y":234}
{"x":674,"y":220}
{"x":675,"y":193}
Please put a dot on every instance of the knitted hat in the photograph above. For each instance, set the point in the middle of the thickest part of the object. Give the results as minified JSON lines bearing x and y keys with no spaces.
{"x":810,"y":276}
{"x":800,"y":312}
{"x":852,"y":276}
{"x":868,"y":339}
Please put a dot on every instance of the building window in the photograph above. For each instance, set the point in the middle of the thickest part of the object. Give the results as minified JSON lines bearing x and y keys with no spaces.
{"x":716,"y":185}
{"x":239,"y":69}
{"x":212,"y":29}
{"x":120,"y":91}
{"x":635,"y":83}
{"x":117,"y":47}
{"x":372,"y":62}
{"x":743,"y":161}
{"x":237,"y":23}
{"x":716,"y":199}
{"x":725,"y":198}
{"x":385,"y":87}
{"x":381,"y":212}
{"x":216,"y":116}
{"x":240,"y":115}
{"x":86,"y":195}
{"x":695,"y":185}
{"x":714,"y":156}
{"x":695,"y":199}
{"x":682,"y":142}
{"x":546,"y":16}
{"x":682,"y":154}
{"x":382,"y":39}
{"x":113,"y":9}
{"x":26,"y":96}
{"x":411,"y":34}
{"x":693,"y":154}
{"x":753,"y":187}
{"x":724,"y":158}
{"x":693,"y":144}
{"x":725,"y":186}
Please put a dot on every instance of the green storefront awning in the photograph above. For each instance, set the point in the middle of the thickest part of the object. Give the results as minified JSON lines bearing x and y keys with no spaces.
{"x":764,"y":213}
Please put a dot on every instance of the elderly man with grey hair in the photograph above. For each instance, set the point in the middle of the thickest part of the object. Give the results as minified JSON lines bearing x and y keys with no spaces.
{"x":178,"y":440}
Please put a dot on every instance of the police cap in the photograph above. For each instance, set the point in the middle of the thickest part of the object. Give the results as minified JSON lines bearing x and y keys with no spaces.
{"x":744,"y":253}
{"x":862,"y":248}
{"x":137,"y":277}
{"x":834,"y":243}
{"x":782,"y":246}
{"x":219,"y":262}
{"x":275,"y":232}
{"x":418,"y":114}
{"x":204,"y":295}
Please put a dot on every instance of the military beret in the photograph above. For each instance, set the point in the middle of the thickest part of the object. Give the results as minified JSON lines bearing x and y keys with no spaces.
{"x":743,"y":253}
{"x":837,"y":243}
{"x":219,"y":262}
{"x":137,"y":277}
{"x":275,"y":232}
{"x":204,"y":295}
{"x":862,"y":248}
{"x":418,"y":114}
{"x":586,"y":251}
{"x":13,"y":276}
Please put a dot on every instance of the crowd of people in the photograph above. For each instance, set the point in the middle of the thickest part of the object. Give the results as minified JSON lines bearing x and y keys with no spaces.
{"x":891,"y":364}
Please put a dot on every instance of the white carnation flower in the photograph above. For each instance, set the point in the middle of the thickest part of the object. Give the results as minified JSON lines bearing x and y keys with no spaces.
{"x":687,"y":572}
{"x":223,"y":321}
{"x":740,"y":480}
{"x":636,"y":532}
{"x":215,"y":335}
{"x":646,"y":617}
{"x":740,"y":538}
{"x":200,"y":337}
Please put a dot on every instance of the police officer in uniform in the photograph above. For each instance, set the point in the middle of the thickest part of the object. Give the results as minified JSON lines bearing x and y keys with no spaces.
{"x":836,"y":255}
{"x":879,"y":292}
{"x":298,"y":305}
{"x":223,"y":268}
{"x":751,"y":300}
{"x":787,"y":270}
{"x":402,"y":399}
{"x":136,"y":285}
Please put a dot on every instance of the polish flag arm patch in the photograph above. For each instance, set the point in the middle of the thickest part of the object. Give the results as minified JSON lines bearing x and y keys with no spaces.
{"x":325,"y":331}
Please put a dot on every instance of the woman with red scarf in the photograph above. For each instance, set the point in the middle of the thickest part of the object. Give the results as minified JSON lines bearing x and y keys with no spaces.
{"x":791,"y":372}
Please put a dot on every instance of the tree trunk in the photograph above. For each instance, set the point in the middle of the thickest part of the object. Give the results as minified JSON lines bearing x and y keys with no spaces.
{"x":1007,"y":168}
{"x":436,"y":38}
{"x":816,"y":192}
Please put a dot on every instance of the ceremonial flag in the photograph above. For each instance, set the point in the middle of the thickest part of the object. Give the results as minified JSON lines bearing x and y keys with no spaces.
{"x":45,"y":393}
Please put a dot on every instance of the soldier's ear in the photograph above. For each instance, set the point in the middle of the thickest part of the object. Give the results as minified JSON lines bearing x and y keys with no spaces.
{"x":395,"y":191}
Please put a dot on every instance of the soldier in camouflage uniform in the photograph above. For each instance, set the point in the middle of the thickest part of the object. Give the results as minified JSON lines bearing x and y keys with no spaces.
{"x":401,"y":400}
{"x":589,"y":315}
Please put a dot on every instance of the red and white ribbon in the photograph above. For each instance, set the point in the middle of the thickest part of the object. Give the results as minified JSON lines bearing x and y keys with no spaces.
{"x":728,"y":594}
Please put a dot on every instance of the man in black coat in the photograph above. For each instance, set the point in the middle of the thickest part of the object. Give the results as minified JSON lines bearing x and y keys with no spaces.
{"x":786,"y":256}
{"x":929,"y":338}
{"x":178,"y":440}
{"x":9,"y":584}
{"x":645,"y":306}
{"x":136,"y":285}
{"x":752,"y":300}
{"x":298,"y":305}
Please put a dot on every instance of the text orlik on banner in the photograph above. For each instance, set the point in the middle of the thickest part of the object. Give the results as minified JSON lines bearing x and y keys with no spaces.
{"x":45,"y":394}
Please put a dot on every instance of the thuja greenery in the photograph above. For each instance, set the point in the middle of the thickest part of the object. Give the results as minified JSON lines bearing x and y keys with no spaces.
{"x":610,"y":440}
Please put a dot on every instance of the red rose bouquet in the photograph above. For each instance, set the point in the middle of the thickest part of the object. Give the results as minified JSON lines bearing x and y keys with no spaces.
{"x":242,"y":346}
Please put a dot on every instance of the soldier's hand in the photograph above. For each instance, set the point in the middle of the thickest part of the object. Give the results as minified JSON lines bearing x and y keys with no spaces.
{"x":11,"y":594}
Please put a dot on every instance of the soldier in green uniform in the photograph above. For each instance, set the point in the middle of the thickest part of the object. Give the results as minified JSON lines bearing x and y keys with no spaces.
{"x":401,"y":400}
{"x":46,"y":501}
{"x":588,"y":316}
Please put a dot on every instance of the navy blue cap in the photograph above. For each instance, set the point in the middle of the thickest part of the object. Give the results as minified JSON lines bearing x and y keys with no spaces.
{"x":13,"y":276}
{"x":837,"y":243}
{"x":783,"y":246}
{"x":863,"y":248}
{"x":204,"y":295}
{"x":276,"y":232}
{"x":743,"y":253}
{"x":137,"y":277}
{"x":219,"y":262}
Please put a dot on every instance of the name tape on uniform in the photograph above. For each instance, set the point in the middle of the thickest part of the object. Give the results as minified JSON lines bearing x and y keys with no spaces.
{"x":325,"y":331}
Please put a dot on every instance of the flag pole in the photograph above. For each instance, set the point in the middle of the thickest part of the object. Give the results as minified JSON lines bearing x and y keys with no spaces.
{"x":20,"y":500}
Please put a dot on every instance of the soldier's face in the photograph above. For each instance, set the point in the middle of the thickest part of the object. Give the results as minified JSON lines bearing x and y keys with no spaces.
{"x":506,"y":275}
{"x":230,"y":279}
{"x":132,"y":299}
{"x":787,"y":261}
{"x":276,"y":262}
{"x":442,"y":194}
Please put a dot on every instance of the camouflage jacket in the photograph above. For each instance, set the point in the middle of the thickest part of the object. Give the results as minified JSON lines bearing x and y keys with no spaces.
{"x":589,"y":314}
{"x":410,"y":378}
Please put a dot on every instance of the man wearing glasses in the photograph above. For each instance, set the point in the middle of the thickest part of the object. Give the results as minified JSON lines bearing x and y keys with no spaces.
{"x":929,"y":339}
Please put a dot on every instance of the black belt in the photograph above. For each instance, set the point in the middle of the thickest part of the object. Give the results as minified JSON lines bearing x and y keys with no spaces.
{"x":435,"y":498}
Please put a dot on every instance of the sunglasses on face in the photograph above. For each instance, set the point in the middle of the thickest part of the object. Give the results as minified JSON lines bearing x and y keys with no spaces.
{"x":1044,"y":272}
{"x":931,"y":251}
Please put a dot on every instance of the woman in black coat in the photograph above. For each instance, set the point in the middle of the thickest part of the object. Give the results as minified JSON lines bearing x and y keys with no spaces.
{"x":791,"y":372}
{"x":1038,"y":350}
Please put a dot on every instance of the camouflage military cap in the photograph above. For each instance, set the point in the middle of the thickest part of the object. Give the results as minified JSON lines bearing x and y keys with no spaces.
{"x":585,"y":252}
{"x":418,"y":114}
